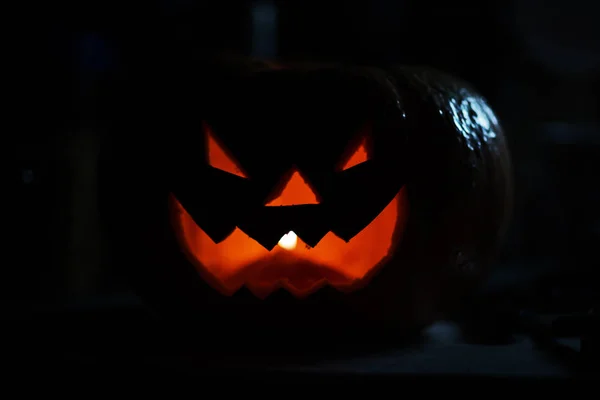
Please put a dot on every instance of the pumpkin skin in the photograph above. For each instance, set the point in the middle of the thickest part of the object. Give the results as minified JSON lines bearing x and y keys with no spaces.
{"x":322,"y":152}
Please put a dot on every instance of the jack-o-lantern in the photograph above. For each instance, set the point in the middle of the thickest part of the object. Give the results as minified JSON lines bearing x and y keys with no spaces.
{"x":269,"y":191}
{"x":293,"y":237}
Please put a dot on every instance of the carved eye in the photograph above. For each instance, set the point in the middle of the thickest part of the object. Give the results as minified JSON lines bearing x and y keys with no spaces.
{"x":218,"y":157}
{"x":357,"y":153}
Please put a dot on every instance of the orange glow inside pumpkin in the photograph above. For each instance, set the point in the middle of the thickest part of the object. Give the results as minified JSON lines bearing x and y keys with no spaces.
{"x":241,"y":261}
{"x":295,"y":192}
{"x":359,"y":156}
{"x":218,"y":157}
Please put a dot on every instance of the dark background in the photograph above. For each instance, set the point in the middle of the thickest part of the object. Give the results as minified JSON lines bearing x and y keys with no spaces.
{"x":537,"y":62}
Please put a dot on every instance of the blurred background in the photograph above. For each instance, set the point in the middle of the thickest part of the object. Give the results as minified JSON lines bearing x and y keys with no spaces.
{"x":537,"y":62}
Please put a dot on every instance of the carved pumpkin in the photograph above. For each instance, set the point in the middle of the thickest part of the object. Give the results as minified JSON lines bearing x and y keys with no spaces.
{"x":289,"y":238}
{"x":344,"y":191}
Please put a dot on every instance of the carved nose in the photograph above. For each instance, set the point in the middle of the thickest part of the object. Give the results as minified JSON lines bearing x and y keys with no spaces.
{"x":293,"y":190}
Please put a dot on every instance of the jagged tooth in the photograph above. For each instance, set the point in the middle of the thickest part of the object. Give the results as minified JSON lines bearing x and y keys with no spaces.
{"x":301,"y":294}
{"x":262,"y":291}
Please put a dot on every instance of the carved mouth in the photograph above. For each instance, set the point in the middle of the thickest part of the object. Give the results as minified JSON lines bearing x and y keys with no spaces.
{"x":241,"y":261}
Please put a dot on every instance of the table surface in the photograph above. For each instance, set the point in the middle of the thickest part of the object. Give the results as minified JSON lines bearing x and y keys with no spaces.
{"x":441,"y":352}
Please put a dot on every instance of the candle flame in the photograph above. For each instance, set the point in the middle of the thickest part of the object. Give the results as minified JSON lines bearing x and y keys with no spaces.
{"x":288,"y":241}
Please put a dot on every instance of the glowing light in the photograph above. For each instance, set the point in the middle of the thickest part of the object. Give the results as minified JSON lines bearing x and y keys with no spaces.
{"x":218,"y":157}
{"x":295,"y":192}
{"x":359,"y":156}
{"x":239,"y":260}
{"x":288,"y":241}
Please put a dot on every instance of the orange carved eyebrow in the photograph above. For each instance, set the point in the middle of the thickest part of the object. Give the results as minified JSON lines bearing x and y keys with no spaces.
{"x":218,"y":157}
{"x":360,"y":154}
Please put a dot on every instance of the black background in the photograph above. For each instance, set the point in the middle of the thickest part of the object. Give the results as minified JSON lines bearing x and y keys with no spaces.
{"x":537,"y":62}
